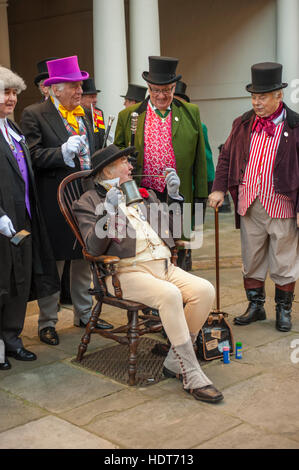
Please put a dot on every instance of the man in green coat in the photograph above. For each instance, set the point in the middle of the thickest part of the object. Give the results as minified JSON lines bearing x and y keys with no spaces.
{"x":169,"y":134}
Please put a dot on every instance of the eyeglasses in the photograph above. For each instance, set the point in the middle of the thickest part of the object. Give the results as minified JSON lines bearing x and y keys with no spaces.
{"x":165,"y":91}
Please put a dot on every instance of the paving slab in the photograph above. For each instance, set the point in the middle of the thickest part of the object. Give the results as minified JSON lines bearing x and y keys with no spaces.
{"x":51,"y":432}
{"x":170,"y":422}
{"x":245,"y":436}
{"x":45,"y":355}
{"x":15,"y":411}
{"x":105,"y":407}
{"x":268,"y":401}
{"x":59,"y":387}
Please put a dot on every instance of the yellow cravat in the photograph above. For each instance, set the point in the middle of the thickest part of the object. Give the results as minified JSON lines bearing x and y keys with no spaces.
{"x":70,"y":116}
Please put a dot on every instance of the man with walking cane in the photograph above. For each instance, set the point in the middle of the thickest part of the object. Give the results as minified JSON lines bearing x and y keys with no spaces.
{"x":259,"y":165}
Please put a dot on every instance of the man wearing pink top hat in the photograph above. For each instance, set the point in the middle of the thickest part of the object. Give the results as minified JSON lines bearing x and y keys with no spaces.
{"x":259,"y":165}
{"x":61,"y":141}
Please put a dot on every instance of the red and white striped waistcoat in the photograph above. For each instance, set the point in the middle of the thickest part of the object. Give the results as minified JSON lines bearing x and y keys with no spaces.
{"x":158,"y":149}
{"x":258,"y":177}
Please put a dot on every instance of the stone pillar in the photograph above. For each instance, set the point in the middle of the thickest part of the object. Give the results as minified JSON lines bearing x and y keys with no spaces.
{"x":4,"y":37}
{"x":110,"y":55}
{"x":144,"y":36}
{"x":288,"y":48}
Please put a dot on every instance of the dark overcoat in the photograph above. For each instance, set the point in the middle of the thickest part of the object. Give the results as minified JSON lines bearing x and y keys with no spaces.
{"x":45,"y":279}
{"x":235,"y":155}
{"x":45,"y":133}
{"x":90,"y":217}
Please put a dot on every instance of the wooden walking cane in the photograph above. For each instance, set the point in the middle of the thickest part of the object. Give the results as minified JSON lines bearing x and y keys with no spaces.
{"x":216,"y":331}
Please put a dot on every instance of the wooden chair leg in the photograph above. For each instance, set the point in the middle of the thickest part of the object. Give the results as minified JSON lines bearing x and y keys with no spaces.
{"x":85,"y":340}
{"x":133,"y":337}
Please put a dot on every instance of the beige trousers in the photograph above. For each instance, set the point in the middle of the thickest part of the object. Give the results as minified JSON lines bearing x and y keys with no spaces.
{"x":269,"y":244}
{"x":167,"y":289}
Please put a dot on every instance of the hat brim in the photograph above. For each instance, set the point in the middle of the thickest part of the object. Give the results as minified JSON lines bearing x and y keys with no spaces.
{"x":40,"y":76}
{"x":262,"y":89}
{"x":75,"y":78}
{"x":131,"y":98}
{"x":185,"y":97}
{"x":93,"y":92}
{"x":111,"y":159}
{"x":148,"y":79}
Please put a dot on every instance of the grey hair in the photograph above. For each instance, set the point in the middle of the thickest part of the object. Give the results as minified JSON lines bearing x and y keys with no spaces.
{"x":9,"y":79}
{"x":59,"y":87}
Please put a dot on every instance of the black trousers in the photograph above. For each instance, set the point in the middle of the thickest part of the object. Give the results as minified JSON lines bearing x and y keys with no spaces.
{"x":13,"y":307}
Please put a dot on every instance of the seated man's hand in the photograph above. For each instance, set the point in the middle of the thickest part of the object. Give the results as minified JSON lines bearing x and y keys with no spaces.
{"x":216,"y":199}
{"x":173,"y":182}
{"x":6,"y":227}
{"x":113,"y":198}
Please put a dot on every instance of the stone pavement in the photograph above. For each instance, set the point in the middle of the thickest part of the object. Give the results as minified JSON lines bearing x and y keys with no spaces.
{"x":53,"y":404}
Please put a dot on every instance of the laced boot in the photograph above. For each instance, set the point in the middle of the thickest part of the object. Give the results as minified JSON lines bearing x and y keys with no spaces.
{"x":181,"y":362}
{"x":283,"y":300}
{"x":255,"y":310}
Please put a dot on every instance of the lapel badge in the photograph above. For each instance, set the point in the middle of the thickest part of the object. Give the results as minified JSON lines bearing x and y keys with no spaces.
{"x":286,"y":134}
{"x":176,"y":118}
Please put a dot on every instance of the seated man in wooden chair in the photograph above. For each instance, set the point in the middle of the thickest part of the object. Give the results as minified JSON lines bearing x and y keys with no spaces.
{"x":110,"y":225}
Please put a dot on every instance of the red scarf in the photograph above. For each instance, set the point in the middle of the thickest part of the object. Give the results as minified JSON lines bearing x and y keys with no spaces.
{"x":267,"y":123}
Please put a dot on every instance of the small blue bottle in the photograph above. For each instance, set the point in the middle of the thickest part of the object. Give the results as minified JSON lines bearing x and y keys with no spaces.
{"x":238,"y":350}
{"x":226,"y":355}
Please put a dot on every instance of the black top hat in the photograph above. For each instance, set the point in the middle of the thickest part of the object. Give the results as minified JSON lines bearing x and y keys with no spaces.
{"x":104,"y":157}
{"x":266,"y":77}
{"x":42,"y":70}
{"x":135,"y":93}
{"x":89,"y":87}
{"x":180,"y":90}
{"x":162,"y":70}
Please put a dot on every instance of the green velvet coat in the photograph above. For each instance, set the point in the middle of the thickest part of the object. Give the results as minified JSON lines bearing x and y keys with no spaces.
{"x":187,"y":140}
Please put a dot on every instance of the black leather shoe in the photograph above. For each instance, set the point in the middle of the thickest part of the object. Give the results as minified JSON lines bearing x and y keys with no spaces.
{"x":5,"y":365}
{"x":209,"y":394}
{"x":22,"y":354}
{"x":100,"y":325}
{"x":49,"y":335}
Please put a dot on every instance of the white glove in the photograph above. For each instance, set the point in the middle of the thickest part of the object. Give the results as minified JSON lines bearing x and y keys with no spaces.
{"x":71,"y":148}
{"x":6,"y":227}
{"x":113,"y":198}
{"x":173,"y":182}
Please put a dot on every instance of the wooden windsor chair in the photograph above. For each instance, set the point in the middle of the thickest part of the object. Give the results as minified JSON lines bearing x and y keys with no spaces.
{"x":70,"y":190}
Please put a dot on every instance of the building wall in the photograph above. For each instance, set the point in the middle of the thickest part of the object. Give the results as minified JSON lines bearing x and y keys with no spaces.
{"x":42,"y":28}
{"x":216,"y":43}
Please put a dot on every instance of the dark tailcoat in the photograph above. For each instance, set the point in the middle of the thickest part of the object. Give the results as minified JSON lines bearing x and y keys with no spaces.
{"x":235,"y":155}
{"x":12,"y":203}
{"x":45,"y":133}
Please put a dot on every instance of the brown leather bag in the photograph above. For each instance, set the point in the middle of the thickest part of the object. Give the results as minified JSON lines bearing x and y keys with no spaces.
{"x":214,"y":335}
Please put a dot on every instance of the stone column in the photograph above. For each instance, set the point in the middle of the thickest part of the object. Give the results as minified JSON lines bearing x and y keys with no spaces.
{"x":288,"y":48}
{"x":110,"y":55}
{"x":4,"y":37}
{"x":144,"y":36}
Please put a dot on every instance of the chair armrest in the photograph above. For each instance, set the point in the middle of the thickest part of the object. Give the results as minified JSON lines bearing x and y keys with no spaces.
{"x":105,"y":259}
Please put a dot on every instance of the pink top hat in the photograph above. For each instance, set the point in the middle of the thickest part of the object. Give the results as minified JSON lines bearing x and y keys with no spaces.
{"x":64,"y":70}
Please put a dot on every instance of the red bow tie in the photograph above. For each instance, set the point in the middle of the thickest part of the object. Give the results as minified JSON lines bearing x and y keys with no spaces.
{"x":267,"y":123}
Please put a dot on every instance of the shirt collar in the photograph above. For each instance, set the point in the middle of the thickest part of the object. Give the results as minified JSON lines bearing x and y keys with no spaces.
{"x":4,"y":123}
{"x":155,"y":107}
